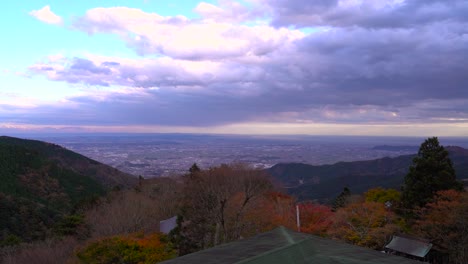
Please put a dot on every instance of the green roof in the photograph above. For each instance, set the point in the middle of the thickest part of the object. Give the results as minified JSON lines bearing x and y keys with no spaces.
{"x":285,"y":246}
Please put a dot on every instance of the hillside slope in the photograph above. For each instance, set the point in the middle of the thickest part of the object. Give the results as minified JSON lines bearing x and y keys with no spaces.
{"x":41,"y":182}
{"x":325,"y":182}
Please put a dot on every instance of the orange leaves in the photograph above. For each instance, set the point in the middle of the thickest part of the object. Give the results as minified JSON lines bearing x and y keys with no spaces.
{"x":131,"y":249}
{"x":279,"y":209}
{"x":440,"y":212}
{"x":366,"y":224}
{"x":315,"y":218}
{"x":445,"y":222}
{"x":272,"y":210}
{"x":152,"y":240}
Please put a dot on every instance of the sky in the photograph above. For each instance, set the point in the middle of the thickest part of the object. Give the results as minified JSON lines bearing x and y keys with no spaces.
{"x":316,"y":67}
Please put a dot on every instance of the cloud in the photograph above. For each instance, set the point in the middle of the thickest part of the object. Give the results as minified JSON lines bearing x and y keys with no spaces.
{"x":178,"y":37}
{"x":361,"y":13}
{"x":226,"y":11}
{"x":77,"y":70}
{"x":316,"y":82}
{"x":46,"y":15}
{"x":217,"y":70}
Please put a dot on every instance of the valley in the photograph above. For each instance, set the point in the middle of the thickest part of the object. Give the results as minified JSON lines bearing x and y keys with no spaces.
{"x":154,"y":155}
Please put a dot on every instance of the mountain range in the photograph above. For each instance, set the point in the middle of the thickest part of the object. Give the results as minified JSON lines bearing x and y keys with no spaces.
{"x":324,"y":182}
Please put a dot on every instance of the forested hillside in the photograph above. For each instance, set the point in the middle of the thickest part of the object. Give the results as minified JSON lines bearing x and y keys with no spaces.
{"x":49,"y":212}
{"x":325,"y":182}
{"x":42,"y":183}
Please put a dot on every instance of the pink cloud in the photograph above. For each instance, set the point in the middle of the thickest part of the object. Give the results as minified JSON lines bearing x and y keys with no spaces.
{"x":46,"y":15}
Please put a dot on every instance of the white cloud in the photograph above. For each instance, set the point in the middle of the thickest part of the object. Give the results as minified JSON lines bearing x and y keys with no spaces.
{"x":207,"y":9}
{"x":46,"y":15}
{"x":179,"y":37}
{"x":226,"y":11}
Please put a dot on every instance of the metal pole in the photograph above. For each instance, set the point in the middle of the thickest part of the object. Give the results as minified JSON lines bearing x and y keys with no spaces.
{"x":298,"y":219}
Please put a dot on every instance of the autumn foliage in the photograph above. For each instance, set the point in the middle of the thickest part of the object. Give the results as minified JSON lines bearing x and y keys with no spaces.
{"x":315,"y":218}
{"x":272,"y":210}
{"x":215,"y":203}
{"x":382,"y":195}
{"x":367,"y":224}
{"x":130,"y":249}
{"x":445,"y":222}
{"x":279,"y":209}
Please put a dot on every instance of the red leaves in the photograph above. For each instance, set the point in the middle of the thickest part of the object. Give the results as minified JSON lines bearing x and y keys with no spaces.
{"x":315,"y":218}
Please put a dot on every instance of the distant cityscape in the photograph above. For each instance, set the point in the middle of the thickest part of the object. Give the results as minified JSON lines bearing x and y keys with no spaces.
{"x":156,"y":155}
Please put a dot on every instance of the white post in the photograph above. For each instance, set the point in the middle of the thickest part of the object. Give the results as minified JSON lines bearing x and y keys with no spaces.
{"x":298,"y":219}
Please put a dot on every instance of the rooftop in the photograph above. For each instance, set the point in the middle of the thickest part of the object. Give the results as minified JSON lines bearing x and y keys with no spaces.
{"x":285,"y":246}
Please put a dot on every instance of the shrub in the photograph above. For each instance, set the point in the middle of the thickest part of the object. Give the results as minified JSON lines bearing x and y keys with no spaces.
{"x":72,"y":225}
{"x":130,"y":249}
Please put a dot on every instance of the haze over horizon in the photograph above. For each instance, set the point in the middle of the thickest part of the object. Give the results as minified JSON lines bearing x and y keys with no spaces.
{"x":334,"y":67}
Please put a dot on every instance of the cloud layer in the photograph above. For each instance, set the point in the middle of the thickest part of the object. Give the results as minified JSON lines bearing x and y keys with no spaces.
{"x":366,"y":14}
{"x":346,"y":62}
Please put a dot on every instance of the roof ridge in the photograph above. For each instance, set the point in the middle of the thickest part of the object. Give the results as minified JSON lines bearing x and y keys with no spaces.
{"x":294,"y":243}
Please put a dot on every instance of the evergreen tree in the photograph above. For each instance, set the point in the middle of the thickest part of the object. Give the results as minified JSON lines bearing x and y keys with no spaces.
{"x":342,"y":199}
{"x":194,"y":171}
{"x":194,"y":168}
{"x":431,"y":171}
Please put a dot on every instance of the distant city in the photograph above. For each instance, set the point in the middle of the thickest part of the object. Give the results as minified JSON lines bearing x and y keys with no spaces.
{"x":155,"y":155}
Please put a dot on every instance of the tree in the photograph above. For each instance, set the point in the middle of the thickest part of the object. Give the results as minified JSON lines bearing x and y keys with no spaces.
{"x":342,"y":199}
{"x":194,"y":170}
{"x":315,"y":218}
{"x":271,"y":210}
{"x":130,"y":211}
{"x":366,"y":224}
{"x":389,"y":197}
{"x":445,"y":223}
{"x":216,"y":202}
{"x":431,"y":171}
{"x":72,"y":225}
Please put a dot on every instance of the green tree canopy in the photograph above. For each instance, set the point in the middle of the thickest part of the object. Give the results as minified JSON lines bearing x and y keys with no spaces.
{"x":431,"y":171}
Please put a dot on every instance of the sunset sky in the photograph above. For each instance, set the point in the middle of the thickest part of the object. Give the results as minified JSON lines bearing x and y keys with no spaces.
{"x":319,"y":67}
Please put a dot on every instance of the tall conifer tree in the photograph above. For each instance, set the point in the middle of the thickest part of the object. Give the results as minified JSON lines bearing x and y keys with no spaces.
{"x":431,"y":171}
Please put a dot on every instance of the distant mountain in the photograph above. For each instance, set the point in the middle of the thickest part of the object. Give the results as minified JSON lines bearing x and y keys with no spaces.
{"x":325,"y":182}
{"x":41,"y":182}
